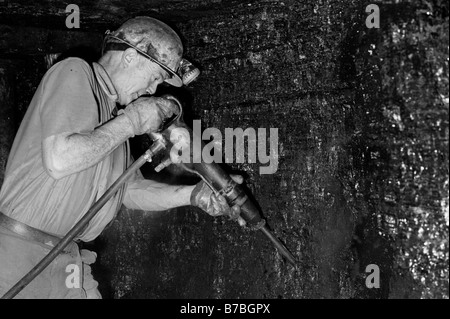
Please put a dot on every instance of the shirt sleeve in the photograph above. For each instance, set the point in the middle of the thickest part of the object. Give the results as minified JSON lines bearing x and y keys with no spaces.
{"x":68,"y":103}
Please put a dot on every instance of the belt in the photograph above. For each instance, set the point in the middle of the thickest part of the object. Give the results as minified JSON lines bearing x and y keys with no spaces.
{"x":28,"y":232}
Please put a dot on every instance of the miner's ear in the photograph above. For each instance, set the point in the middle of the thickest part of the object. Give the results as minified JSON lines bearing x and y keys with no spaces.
{"x":129,"y":56}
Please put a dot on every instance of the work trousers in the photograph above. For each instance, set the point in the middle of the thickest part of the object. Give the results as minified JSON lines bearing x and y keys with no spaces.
{"x":67,"y":277}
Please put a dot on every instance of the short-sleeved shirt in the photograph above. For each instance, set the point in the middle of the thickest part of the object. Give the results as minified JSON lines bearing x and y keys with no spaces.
{"x":75,"y":97}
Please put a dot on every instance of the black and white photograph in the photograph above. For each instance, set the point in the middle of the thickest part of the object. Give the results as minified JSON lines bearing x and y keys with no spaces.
{"x":220,"y":158}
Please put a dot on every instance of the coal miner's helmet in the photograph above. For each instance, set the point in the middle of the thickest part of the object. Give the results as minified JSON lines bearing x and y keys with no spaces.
{"x":156,"y":41}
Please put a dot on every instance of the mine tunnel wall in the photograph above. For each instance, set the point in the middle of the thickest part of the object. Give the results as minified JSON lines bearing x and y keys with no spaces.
{"x":328,"y":84}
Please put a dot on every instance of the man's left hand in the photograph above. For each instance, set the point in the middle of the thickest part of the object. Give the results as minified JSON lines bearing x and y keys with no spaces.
{"x":216,"y":205}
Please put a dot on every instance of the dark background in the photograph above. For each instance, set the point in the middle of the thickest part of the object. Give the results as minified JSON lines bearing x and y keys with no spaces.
{"x":362,"y":116}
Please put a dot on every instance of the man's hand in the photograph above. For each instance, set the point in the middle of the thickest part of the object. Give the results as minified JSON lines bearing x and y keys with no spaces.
{"x":215,"y":205}
{"x":147,"y":114}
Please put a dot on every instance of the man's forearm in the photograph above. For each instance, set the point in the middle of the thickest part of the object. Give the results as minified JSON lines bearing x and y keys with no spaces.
{"x":149,"y":195}
{"x":69,"y":153}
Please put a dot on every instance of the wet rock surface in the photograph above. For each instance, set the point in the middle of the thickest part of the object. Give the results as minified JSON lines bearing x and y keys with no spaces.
{"x":362,"y":118}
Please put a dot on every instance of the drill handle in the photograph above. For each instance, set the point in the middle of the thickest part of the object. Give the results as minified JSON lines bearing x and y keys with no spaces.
{"x":234,"y":193}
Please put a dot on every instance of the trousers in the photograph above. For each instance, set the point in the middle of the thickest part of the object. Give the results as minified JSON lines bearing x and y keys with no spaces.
{"x":67,"y":277}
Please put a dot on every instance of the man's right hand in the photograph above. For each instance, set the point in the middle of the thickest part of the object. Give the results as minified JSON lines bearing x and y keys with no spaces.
{"x":147,"y":114}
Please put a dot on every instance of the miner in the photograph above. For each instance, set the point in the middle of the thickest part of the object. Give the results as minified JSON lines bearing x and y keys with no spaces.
{"x":73,"y":144}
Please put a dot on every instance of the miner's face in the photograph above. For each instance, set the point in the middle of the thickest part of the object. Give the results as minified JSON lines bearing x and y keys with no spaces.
{"x":138,"y":76}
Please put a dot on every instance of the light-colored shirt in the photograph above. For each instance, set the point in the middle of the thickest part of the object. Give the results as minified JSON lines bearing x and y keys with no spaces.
{"x":72,"y":97}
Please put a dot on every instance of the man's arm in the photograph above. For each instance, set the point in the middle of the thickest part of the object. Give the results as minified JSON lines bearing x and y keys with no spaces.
{"x":149,"y":195}
{"x":67,"y":153}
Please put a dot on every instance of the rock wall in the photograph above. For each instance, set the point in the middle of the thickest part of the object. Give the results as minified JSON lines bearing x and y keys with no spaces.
{"x":362,"y":176}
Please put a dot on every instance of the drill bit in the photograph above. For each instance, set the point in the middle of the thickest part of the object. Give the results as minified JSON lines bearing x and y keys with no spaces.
{"x":279,"y":245}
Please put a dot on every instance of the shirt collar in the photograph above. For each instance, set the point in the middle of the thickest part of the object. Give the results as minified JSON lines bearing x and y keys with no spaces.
{"x":105,"y":81}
